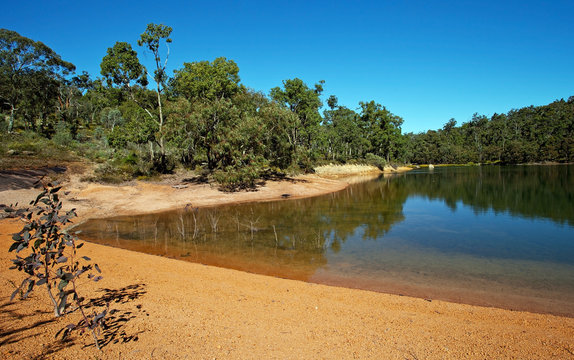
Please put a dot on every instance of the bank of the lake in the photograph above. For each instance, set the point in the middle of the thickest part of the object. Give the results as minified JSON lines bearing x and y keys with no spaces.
{"x":173,"y":309}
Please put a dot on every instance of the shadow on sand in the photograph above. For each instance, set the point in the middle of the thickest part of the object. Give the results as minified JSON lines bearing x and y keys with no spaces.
{"x":14,"y":312}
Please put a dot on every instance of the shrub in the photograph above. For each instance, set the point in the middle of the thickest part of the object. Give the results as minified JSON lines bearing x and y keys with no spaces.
{"x":53,"y":260}
{"x":63,"y":136}
{"x":237,"y":179}
{"x":375,"y":160}
{"x":114,"y":172}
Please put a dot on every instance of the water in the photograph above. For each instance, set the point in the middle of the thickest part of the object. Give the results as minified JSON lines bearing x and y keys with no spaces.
{"x":494,"y":236}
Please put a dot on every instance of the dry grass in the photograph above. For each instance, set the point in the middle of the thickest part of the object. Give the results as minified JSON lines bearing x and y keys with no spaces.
{"x":347,"y":169}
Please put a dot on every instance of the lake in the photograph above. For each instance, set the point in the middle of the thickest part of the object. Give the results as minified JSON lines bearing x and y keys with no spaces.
{"x":498,"y":236}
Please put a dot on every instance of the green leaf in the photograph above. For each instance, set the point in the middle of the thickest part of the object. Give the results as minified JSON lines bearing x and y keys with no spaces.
{"x":30,"y":287}
{"x":62,"y":284}
{"x":68,"y":276}
{"x":63,"y":303}
{"x":13,"y":246}
{"x":14,"y":294}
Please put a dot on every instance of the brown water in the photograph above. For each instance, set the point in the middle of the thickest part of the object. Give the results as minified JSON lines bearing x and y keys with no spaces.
{"x":494,"y":236}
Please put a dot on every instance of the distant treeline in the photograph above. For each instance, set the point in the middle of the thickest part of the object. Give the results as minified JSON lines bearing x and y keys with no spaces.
{"x":530,"y":134}
{"x":138,"y":122}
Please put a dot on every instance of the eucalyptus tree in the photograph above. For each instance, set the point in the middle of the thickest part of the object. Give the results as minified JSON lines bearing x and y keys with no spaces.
{"x":26,"y":68}
{"x":211,"y":89}
{"x":343,"y":135}
{"x":305,"y":103}
{"x":122,"y":68}
{"x":207,"y":81}
{"x":280,"y":135}
{"x":381,"y":128}
{"x":152,"y":38}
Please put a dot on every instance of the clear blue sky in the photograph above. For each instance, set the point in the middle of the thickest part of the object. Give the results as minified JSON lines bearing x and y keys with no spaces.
{"x":426,"y":61}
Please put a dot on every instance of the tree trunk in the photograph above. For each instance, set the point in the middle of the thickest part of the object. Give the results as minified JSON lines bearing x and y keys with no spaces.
{"x":11,"y":119}
{"x":161,"y":149}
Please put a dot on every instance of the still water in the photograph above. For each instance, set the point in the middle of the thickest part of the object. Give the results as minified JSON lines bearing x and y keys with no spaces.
{"x":492,"y":235}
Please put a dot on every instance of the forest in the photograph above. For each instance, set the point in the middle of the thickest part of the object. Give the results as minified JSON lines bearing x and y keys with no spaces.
{"x":135,"y":122}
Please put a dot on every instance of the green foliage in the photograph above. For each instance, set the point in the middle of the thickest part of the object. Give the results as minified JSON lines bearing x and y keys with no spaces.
{"x":122,"y":68}
{"x":114,"y":172}
{"x":343,"y":140}
{"x":29,"y":149}
{"x":30,"y":76}
{"x":126,"y":165}
{"x":381,"y":129}
{"x":530,"y":134}
{"x":207,"y":81}
{"x":279,"y":137}
{"x":53,"y":260}
{"x":138,"y":129}
{"x":375,"y":160}
{"x":238,"y":178}
{"x":305,"y":103}
{"x":63,"y":136}
{"x":111,"y":117}
{"x":151,"y":39}
{"x":208,"y":120}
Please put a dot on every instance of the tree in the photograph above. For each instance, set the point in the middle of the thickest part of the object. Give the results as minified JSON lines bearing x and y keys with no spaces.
{"x":281,"y":126}
{"x":53,"y":260}
{"x":342,"y":136}
{"x":25,"y":65}
{"x":381,"y":128}
{"x":476,"y":133}
{"x":305,"y":103}
{"x":122,"y":68}
{"x":207,"y":81}
{"x":332,"y":102}
{"x":151,"y":39}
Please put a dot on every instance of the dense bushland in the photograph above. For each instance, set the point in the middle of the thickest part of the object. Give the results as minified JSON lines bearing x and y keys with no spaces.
{"x":138,"y":123}
{"x":531,"y":134}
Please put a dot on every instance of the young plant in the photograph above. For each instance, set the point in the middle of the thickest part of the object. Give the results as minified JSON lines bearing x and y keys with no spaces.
{"x":53,"y":261}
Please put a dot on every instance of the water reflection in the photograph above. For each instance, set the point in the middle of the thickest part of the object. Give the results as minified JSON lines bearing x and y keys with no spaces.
{"x":284,"y":238}
{"x":488,"y":235}
{"x":526,"y":191}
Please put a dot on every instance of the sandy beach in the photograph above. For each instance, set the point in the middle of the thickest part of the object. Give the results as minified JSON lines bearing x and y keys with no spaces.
{"x":170,"y":309}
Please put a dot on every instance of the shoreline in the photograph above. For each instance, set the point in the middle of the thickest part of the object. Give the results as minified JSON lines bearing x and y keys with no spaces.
{"x":167,"y":308}
{"x":173,"y":309}
{"x":95,"y":200}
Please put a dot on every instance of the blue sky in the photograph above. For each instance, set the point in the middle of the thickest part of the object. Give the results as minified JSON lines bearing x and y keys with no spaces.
{"x":426,"y":61}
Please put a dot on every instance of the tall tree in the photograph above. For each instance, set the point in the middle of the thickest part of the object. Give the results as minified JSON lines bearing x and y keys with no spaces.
{"x":381,"y":128}
{"x":151,"y":39}
{"x":342,"y":138}
{"x":25,"y":64}
{"x":121,"y":67}
{"x":305,"y":103}
{"x":206,"y":80}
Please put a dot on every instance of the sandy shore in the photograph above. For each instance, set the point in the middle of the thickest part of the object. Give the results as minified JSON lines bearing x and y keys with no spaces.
{"x":174,"y":309}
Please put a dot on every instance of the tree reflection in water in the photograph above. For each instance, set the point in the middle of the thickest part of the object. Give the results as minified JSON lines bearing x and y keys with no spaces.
{"x":353,"y":229}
